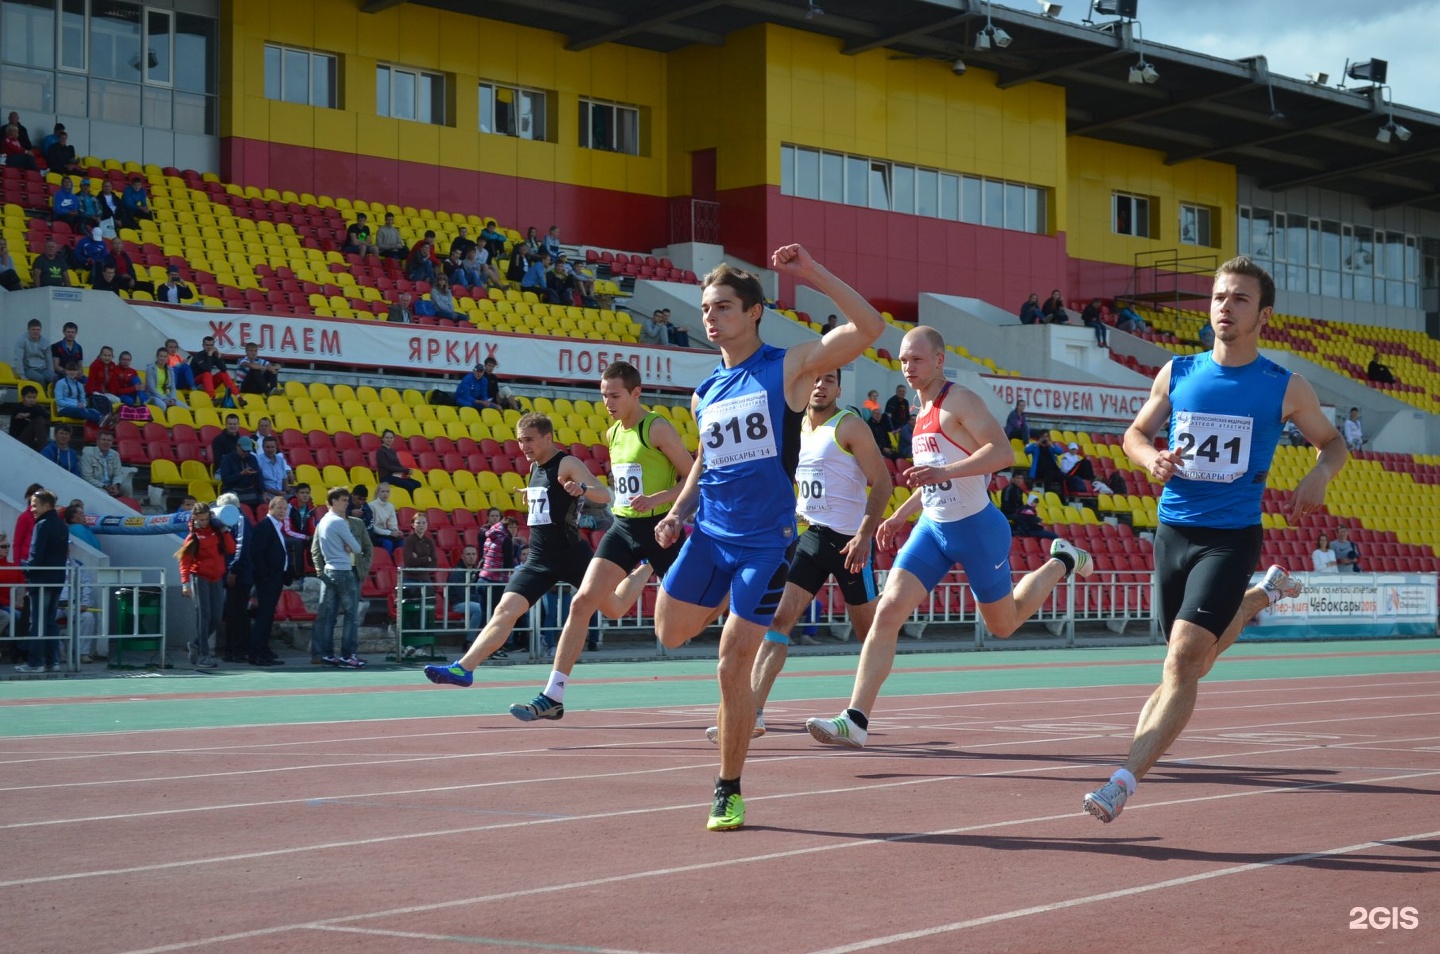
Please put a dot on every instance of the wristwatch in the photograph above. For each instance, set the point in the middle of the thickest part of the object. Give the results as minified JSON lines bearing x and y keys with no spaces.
{"x":584,"y":487}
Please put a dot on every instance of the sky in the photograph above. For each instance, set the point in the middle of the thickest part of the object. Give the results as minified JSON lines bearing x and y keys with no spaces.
{"x":1302,"y":36}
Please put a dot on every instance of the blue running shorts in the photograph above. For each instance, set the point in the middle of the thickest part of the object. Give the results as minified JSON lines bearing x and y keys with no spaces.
{"x":980,"y":543}
{"x":707,"y":568}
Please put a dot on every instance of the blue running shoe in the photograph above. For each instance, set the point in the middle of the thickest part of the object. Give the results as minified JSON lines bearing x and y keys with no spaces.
{"x":542,"y":707}
{"x":454,"y":674}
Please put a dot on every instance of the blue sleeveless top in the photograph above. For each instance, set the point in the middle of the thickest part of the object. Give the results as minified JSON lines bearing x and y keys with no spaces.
{"x":750,"y":443}
{"x":1226,"y":422}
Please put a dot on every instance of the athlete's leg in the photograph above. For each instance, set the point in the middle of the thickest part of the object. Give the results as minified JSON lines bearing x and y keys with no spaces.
{"x":497,"y":630}
{"x":1256,"y":599}
{"x":903,"y":593}
{"x":1160,"y":725}
{"x":739,"y":641}
{"x":677,"y":622}
{"x":771,"y":657}
{"x":1004,"y":616}
{"x":601,"y":579}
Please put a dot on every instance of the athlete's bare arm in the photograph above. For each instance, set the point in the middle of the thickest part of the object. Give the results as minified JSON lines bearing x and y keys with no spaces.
{"x":664,"y":438}
{"x":672,"y":525}
{"x":854,"y":436}
{"x":841,"y":345}
{"x":573,"y":474}
{"x":885,"y":536}
{"x":966,"y":419}
{"x":1303,"y":407}
{"x":1139,"y":439}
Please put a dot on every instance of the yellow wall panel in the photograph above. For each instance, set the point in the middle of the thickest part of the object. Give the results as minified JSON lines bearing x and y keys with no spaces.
{"x":335,"y":130}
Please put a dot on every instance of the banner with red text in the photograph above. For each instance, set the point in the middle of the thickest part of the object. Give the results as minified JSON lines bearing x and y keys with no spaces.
{"x":1065,"y":399}
{"x":427,"y":348}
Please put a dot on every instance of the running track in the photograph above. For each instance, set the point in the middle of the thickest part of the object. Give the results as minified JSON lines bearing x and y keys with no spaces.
{"x":358,"y":812}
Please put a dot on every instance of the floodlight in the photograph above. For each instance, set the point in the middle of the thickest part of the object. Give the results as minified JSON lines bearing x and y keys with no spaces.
{"x":982,"y":40}
{"x":1002,"y":39}
{"x":1372,"y":71}
{"x":1051,"y":10}
{"x":1142,"y":73}
{"x":1401,"y":132}
{"x":1128,"y":9}
{"x":1319,"y":79}
{"x":1383,"y":135}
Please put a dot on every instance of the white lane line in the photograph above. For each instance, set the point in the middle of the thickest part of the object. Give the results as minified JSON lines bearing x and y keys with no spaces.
{"x":727,"y":863}
{"x":508,"y":943}
{"x":1113,"y":895}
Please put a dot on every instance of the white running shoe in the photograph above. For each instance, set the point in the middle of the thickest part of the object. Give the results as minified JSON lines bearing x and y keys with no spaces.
{"x":713,"y":733}
{"x":1084,"y":566}
{"x":1279,"y":581}
{"x":837,"y":731}
{"x":1107,"y":802}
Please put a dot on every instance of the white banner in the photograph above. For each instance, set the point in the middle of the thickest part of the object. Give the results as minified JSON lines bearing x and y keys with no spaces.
{"x":1358,"y":604}
{"x":427,"y":348}
{"x":1096,"y":402}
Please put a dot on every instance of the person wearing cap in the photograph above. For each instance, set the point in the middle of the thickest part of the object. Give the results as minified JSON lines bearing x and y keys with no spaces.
{"x":1076,"y":468}
{"x":90,"y":251}
{"x":475,"y":390}
{"x":89,"y":205}
{"x":240,"y":473}
{"x":174,"y":290}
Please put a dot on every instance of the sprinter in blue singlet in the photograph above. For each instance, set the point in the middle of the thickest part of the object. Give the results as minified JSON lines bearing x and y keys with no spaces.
{"x":1225,"y":410}
{"x":741,"y":491}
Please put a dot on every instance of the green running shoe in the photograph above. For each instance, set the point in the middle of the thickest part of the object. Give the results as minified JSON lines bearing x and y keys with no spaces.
{"x":727,"y":813}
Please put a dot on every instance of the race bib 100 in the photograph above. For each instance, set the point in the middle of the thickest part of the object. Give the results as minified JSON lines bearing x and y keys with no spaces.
{"x":810,"y":490}
{"x":1215,"y":447}
{"x":737,"y":430}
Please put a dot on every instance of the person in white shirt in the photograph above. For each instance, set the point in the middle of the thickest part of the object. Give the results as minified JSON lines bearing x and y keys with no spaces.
{"x":385,"y":528}
{"x":1354,"y":431}
{"x":1324,"y":557}
{"x":340,"y":588}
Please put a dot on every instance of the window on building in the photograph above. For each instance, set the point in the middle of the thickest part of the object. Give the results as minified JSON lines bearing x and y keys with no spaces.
{"x":513,"y":111}
{"x":27,"y":33}
{"x":1131,"y":214}
{"x":300,"y":76}
{"x":403,"y":93}
{"x":610,"y":126}
{"x":1195,"y":225}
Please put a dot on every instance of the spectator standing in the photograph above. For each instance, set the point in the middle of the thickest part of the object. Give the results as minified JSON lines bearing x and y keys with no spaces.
{"x":388,"y":467}
{"x":100,"y":466}
{"x":1347,"y":555}
{"x":500,"y":555}
{"x":12,"y":591}
{"x":1323,"y":557}
{"x":384,"y":521}
{"x":420,"y":557}
{"x":240,"y":473}
{"x":1091,"y":317}
{"x":257,"y":375}
{"x":897,"y":409}
{"x":361,"y":510}
{"x":1017,"y":425}
{"x":1030,"y":313}
{"x":29,"y":419}
{"x":174,"y":290}
{"x":388,"y":241}
{"x":299,"y":529}
{"x":60,"y":453}
{"x":1054,"y":309}
{"x":204,"y":560}
{"x":50,"y":269}
{"x":1354,"y":431}
{"x":400,"y":310}
{"x":9,"y":277}
{"x":227,"y":515}
{"x":32,"y":355}
{"x":337,"y":548}
{"x":45,"y":572}
{"x":875,"y":420}
{"x":271,"y":570}
{"x":357,"y":238}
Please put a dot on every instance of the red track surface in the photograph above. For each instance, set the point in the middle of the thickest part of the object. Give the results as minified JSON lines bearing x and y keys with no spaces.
{"x":1285,"y":805}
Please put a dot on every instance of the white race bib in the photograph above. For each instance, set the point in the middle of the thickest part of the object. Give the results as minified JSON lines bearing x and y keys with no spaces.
{"x":1216,"y":447}
{"x":936,"y":497}
{"x":810,"y":491}
{"x":737,"y":430}
{"x":626,"y":483}
{"x":539,"y":500}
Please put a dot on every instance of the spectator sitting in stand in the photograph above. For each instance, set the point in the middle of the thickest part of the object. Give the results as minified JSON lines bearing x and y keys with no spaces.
{"x":493,"y":240}
{"x":276,"y":477}
{"x":474,"y":390}
{"x":240,"y":473}
{"x":29,"y":419}
{"x":21,"y":132}
{"x":1028,"y":523}
{"x":679,"y":337}
{"x":72,"y":402}
{"x":1054,"y":309}
{"x":480,"y":264}
{"x":453,"y":268}
{"x":264,"y":428}
{"x":89,"y":206}
{"x":226,"y":442}
{"x":59,"y":451}
{"x":179,"y":360}
{"x":443,"y":301}
{"x":117,"y":383}
{"x":385,"y":522}
{"x":17,"y":155}
{"x":465,"y":590}
{"x":1030,"y":313}
{"x":174,"y":291}
{"x":125,"y":269}
{"x":497,"y":391}
{"x":1127,"y":319}
{"x":1347,"y":556}
{"x":584,"y":278}
{"x":100,"y":466}
{"x":1012,"y":498}
{"x":109,"y":204}
{"x":50,"y":268}
{"x":1076,"y":468}
{"x":388,"y":467}
{"x":60,"y":157}
{"x":107,"y":280}
{"x":66,"y":350}
{"x":421,"y":262}
{"x":388,"y":240}
{"x":1379,"y":373}
{"x":561,"y":283}
{"x":897,"y":408}
{"x":1017,"y":425}
{"x":1092,"y":319}
{"x":1044,"y":466}
{"x":537,"y":268}
{"x":257,"y":375}
{"x":1207,"y":336}
{"x":51,"y":138}
{"x":90,"y":251}
{"x":881,"y":433}
{"x":655,"y":330}
{"x":400,"y":310}
{"x":9,"y":275}
{"x":134,"y":204}
{"x":210,"y":370}
{"x":160,"y":387}
{"x":32,"y":355}
{"x":357,"y":238}
{"x":65,"y":206}
{"x":550,"y":245}
{"x":462,"y":243}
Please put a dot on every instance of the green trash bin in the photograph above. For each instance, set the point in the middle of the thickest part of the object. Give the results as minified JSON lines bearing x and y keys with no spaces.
{"x":137,"y":629}
{"x":417,"y":616}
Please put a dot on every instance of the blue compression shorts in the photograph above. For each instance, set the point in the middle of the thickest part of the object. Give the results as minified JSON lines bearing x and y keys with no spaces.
{"x":980,"y":543}
{"x":708,"y":568}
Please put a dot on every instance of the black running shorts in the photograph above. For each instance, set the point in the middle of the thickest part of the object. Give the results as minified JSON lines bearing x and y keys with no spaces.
{"x":818,"y":557}
{"x":632,"y":539}
{"x":536,"y":577}
{"x":1203,"y":573}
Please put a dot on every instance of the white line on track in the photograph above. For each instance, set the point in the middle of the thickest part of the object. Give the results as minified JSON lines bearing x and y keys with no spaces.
{"x":508,"y":943}
{"x":771,"y":856}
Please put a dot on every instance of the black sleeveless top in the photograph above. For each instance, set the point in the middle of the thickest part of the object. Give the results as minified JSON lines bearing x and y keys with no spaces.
{"x":551,"y":512}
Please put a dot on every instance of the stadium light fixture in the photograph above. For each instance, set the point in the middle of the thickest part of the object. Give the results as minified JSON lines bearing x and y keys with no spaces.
{"x":1319,"y":79}
{"x":1142,"y":73}
{"x":1371,"y":71}
{"x":1051,"y":10}
{"x":990,"y":35}
{"x":1125,"y":9}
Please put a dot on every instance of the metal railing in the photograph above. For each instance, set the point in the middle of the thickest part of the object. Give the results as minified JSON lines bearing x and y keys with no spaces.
{"x":107,"y":610}
{"x":426,"y":612}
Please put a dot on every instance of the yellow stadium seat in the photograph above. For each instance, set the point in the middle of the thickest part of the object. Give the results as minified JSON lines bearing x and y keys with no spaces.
{"x":488,"y":481}
{"x":511,"y":482}
{"x":333,"y":476}
{"x":165,"y":473}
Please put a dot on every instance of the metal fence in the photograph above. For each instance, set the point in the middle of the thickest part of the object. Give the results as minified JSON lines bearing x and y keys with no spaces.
{"x":107,"y":611}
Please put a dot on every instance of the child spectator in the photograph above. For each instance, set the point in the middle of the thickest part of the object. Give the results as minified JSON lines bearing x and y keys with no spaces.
{"x":204,"y":560}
